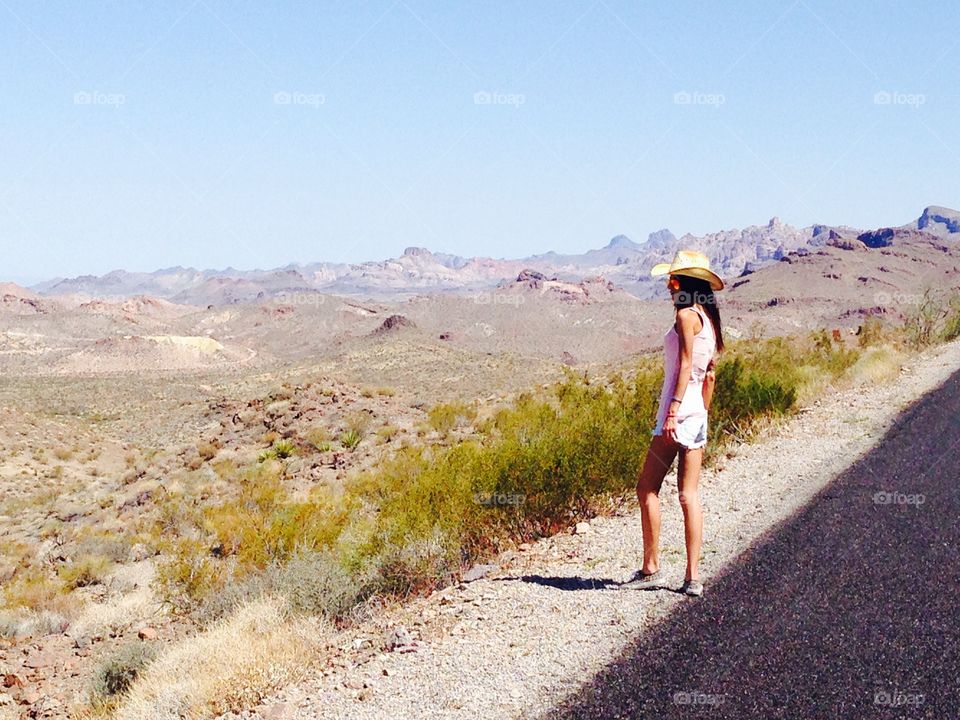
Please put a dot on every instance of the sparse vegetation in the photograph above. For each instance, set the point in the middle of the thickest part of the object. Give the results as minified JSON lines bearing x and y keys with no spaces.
{"x":281,"y":450}
{"x":115,"y":676}
{"x":84,"y":571}
{"x":230,"y":525}
{"x":445,"y":417}
{"x":349,"y":439}
{"x":317,"y":437}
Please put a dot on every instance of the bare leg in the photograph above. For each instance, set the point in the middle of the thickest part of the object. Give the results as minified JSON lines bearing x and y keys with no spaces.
{"x":659,"y":458}
{"x":688,"y":483}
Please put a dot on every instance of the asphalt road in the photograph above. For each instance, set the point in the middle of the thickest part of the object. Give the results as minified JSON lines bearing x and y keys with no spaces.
{"x":848,"y":609}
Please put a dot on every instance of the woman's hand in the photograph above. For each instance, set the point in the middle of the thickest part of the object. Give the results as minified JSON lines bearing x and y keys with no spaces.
{"x":670,"y":427}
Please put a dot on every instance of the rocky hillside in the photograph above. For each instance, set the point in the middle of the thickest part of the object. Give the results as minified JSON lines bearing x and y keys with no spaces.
{"x":419,"y":270}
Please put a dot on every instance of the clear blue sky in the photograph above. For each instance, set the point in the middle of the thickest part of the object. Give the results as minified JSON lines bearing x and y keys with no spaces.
{"x":144,"y":135}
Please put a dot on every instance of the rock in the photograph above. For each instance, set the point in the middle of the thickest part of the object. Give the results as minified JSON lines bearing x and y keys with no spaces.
{"x":40,"y":660}
{"x":147,"y":633}
{"x":478,"y":571}
{"x":139,"y":552}
{"x":393,"y":323}
{"x":396,"y":638}
{"x":29,"y":697}
{"x":582,"y":528}
{"x":13,"y":680}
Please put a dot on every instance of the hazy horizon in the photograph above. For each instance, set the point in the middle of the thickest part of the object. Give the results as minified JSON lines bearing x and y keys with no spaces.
{"x":210,"y":134}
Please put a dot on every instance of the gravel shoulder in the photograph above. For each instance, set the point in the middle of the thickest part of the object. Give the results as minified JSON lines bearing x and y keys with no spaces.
{"x":520,"y":640}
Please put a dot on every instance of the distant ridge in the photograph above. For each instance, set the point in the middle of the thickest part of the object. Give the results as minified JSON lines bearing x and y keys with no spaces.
{"x":420,"y":270}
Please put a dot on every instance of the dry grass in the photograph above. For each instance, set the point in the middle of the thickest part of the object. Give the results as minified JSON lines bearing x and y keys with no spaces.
{"x":875,"y":365}
{"x":230,"y":666}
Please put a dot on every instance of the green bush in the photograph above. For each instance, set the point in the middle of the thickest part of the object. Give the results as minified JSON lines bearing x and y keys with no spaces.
{"x":115,"y":676}
{"x":350,"y":439}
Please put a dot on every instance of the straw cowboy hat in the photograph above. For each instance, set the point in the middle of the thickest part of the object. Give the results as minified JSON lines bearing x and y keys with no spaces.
{"x":690,"y":263}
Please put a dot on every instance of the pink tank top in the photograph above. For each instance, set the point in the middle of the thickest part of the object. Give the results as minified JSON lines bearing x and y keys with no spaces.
{"x":704,"y":347}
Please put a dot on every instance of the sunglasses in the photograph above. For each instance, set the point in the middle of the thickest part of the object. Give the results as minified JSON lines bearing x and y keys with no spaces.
{"x":673,"y":284}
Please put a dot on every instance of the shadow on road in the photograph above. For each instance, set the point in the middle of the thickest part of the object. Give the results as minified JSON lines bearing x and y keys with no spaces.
{"x":848,"y":609}
{"x":566,"y":583}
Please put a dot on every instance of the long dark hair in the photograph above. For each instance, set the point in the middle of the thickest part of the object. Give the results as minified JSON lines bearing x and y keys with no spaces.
{"x":694,"y":290}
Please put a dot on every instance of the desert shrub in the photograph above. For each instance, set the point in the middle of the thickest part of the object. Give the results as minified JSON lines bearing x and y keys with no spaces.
{"x":63,"y":453}
{"x":281,"y":450}
{"x":445,"y":417}
{"x":317,"y":583}
{"x":871,"y":332}
{"x":112,"y":546}
{"x":115,"y":676}
{"x":386,"y":433}
{"x":260,"y":528}
{"x":318,"y":437}
{"x":951,"y":324}
{"x":358,"y":422}
{"x":876,"y":364}
{"x":922,"y":320}
{"x":188,"y":571}
{"x":349,"y":439}
{"x":227,"y":667}
{"x":85,"y":570}
{"x":33,"y":589}
{"x":22,"y":623}
{"x":743,"y":394}
{"x":207,"y":450}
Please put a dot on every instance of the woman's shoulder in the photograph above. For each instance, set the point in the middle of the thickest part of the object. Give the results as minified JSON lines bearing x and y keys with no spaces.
{"x":689,"y":317}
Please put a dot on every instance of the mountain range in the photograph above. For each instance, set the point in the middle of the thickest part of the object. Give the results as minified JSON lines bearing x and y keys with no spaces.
{"x":418,"y":270}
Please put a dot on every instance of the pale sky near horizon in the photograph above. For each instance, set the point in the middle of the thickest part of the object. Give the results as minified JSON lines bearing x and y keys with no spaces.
{"x":209,"y":133}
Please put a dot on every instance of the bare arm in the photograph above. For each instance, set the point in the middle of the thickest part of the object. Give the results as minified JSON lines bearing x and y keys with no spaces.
{"x":686,"y":319}
{"x":709,"y":383}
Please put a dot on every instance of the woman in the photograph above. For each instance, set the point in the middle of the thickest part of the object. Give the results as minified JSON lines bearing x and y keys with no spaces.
{"x":681,"y":429}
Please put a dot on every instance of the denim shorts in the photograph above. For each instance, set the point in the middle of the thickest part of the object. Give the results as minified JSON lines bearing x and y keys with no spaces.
{"x":691,"y":431}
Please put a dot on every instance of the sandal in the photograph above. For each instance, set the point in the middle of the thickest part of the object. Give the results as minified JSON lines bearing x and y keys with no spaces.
{"x":693,"y":588}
